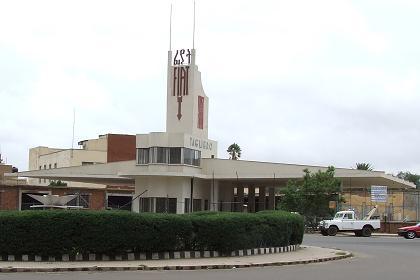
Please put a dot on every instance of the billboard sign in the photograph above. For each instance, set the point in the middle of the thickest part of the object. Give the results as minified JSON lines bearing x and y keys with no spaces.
{"x":379,"y":193}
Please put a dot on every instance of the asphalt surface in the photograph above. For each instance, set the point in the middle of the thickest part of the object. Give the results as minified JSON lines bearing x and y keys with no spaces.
{"x":375,"y":258}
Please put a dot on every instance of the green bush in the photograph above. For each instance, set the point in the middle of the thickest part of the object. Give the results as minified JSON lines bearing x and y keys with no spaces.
{"x":114,"y":232}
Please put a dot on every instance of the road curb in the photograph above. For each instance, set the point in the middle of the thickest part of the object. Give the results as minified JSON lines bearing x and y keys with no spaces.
{"x":177,"y":267}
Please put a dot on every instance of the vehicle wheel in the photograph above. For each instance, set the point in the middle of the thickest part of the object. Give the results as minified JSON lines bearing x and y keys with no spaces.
{"x":332,"y":231}
{"x":410,"y":235}
{"x":358,"y":233}
{"x":366,"y":231}
{"x":324,"y":232}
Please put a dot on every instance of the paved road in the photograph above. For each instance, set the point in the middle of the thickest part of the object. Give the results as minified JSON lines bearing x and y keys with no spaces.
{"x":375,"y":258}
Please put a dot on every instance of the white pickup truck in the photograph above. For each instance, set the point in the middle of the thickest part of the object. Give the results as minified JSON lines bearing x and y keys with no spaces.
{"x":347,"y":221}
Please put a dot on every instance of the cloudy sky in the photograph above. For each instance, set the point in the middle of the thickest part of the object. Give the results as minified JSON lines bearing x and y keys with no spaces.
{"x":307,"y":82}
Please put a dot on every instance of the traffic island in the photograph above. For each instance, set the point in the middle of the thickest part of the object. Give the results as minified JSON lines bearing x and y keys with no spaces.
{"x":303,"y":255}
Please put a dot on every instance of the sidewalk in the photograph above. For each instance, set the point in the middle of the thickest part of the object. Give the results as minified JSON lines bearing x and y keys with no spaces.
{"x":375,"y":234}
{"x":306,"y":254}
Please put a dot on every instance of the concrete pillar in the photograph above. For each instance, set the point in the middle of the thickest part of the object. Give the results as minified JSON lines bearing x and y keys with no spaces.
{"x":251,"y":199}
{"x":261,"y":199}
{"x":240,"y":199}
{"x":135,"y":204}
{"x":214,"y":195}
{"x":231,"y":205}
{"x":271,"y":199}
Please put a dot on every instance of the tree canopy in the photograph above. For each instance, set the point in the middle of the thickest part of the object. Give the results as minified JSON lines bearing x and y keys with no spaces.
{"x":311,"y":196}
{"x":364,"y":166}
{"x":58,"y":183}
{"x":234,"y":151}
{"x":411,"y":177}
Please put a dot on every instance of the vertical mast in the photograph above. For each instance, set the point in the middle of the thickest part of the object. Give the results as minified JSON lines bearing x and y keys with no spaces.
{"x":170,"y":29}
{"x":193,"y":26}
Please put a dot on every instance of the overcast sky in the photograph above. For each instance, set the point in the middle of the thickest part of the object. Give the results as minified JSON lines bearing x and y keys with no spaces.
{"x":307,"y":82}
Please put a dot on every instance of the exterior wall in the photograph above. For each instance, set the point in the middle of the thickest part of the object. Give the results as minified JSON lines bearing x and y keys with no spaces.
{"x":392,"y":227}
{"x":172,"y":187}
{"x":4,"y":168}
{"x":68,"y":158}
{"x":9,"y":198}
{"x":99,"y":144}
{"x":36,"y":153}
{"x":207,"y":147}
{"x":121,"y":147}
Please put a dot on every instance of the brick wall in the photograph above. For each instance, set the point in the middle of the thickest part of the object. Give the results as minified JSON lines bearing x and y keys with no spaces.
{"x":121,"y":147}
{"x":392,"y":227}
{"x":9,"y":198}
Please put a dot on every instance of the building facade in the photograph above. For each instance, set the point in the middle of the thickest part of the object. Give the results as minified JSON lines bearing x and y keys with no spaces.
{"x":177,"y":171}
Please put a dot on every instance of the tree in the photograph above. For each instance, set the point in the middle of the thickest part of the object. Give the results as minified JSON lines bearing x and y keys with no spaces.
{"x":311,"y":196}
{"x":234,"y":151}
{"x":364,"y":166}
{"x":411,"y":177}
{"x":58,"y":183}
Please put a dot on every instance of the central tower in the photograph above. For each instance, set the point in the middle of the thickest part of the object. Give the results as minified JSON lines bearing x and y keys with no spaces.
{"x":187,"y":103}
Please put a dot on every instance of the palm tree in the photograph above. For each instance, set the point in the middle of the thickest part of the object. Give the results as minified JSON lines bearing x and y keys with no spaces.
{"x":364,"y":166}
{"x":234,"y":151}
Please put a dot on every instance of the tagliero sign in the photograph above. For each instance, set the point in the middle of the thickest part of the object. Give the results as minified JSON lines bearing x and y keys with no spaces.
{"x":200,"y":144}
{"x":379,"y":193}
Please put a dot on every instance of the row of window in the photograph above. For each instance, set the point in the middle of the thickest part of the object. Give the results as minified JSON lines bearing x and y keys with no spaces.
{"x":49,"y":166}
{"x":169,"y":205}
{"x":166,"y":155}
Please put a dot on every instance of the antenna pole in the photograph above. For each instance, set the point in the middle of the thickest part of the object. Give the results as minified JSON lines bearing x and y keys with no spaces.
{"x":194,"y":25}
{"x":72,"y":138}
{"x":170,"y":29}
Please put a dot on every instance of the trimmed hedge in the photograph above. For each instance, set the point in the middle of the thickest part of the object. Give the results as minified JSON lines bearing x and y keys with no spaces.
{"x":53,"y":233}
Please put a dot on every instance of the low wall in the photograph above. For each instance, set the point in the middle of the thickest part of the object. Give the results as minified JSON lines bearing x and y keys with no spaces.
{"x":392,"y":227}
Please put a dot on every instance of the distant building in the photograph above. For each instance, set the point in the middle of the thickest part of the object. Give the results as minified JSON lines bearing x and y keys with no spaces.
{"x":107,"y":148}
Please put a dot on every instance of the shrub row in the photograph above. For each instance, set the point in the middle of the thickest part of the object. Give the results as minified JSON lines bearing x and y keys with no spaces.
{"x":112,"y":232}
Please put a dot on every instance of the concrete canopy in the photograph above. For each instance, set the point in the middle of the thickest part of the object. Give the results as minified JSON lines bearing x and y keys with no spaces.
{"x":244,"y":172}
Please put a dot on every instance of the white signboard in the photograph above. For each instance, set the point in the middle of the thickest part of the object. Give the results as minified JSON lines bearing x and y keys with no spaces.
{"x":378,"y":193}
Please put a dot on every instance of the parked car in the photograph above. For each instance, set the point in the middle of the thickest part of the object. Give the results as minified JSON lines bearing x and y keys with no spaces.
{"x":410,"y":232}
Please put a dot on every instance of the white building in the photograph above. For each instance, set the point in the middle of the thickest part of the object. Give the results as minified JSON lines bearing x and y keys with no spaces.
{"x":178,"y":170}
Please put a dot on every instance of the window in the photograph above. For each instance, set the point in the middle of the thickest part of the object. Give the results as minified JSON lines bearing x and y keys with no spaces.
{"x":45,"y":166}
{"x":122,"y":202}
{"x":175,"y":155}
{"x":80,"y":200}
{"x":143,"y":156}
{"x":192,"y":157}
{"x":197,"y":205}
{"x":165,"y":205}
{"x":49,"y":166}
{"x":166,"y":155}
{"x":161,"y":155}
{"x":196,"y":158}
{"x":87,"y":163}
{"x":146,"y":204}
{"x":172,"y":203}
{"x":206,"y":205}
{"x":40,"y":167}
{"x":187,"y":205}
{"x":55,"y":165}
{"x":161,"y":205}
{"x":27,"y":201}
